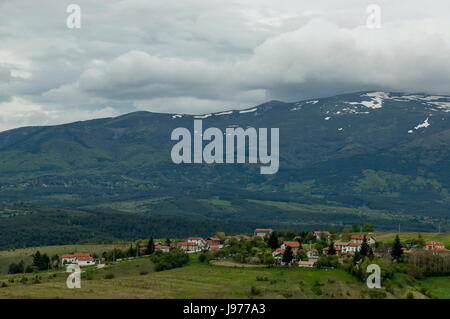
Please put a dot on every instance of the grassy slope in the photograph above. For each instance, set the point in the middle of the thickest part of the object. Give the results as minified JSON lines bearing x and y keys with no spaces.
{"x":136,"y":279}
{"x":388,"y":237}
{"x":15,"y":255}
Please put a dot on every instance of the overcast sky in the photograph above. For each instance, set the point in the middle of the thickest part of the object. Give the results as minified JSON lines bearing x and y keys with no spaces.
{"x":200,"y":56}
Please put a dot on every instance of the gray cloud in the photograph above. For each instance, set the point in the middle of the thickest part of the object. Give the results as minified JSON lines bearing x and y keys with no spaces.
{"x":198,"y":56}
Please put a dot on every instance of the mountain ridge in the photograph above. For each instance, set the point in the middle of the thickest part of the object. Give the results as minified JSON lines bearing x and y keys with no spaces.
{"x":380,"y":150}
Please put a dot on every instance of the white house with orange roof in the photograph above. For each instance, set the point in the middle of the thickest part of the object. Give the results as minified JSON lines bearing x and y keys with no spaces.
{"x":295,"y":245}
{"x":188,"y":247}
{"x":433,"y":245}
{"x":79,"y":259}
{"x":358,"y":239}
{"x":197,"y":240}
{"x":262,"y":232}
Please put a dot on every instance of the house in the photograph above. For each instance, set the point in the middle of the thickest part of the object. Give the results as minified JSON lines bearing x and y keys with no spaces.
{"x":213,"y":241}
{"x":433,"y":245}
{"x":197,"y":240}
{"x":278,"y":255}
{"x":79,"y":259}
{"x":295,"y":245}
{"x":306,"y":264}
{"x":262,"y":232}
{"x":358,"y":239}
{"x":322,"y":235}
{"x":340,"y":245}
{"x":188,"y":247}
{"x":352,"y":248}
{"x":214,"y":247}
{"x":163,"y":248}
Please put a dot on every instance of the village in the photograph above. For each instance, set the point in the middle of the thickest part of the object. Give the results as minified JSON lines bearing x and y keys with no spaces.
{"x":268,"y":247}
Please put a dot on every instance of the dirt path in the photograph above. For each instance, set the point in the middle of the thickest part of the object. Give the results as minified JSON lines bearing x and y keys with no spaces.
{"x":234,"y":264}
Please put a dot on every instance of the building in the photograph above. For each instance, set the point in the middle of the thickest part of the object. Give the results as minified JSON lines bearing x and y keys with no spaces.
{"x":197,"y":240}
{"x":278,"y":255}
{"x":79,"y":259}
{"x":188,"y":247}
{"x":340,"y":245}
{"x":213,"y":241}
{"x":262,"y":232}
{"x":358,"y":239}
{"x":306,"y":264}
{"x":163,"y":248}
{"x":352,"y":248}
{"x":322,"y":235}
{"x":295,"y":245}
{"x":433,"y":245}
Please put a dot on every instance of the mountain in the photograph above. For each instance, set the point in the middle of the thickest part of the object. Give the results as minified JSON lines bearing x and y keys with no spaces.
{"x":380,"y":155}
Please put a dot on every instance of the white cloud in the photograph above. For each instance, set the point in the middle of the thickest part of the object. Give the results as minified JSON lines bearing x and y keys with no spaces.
{"x":199,"y":56}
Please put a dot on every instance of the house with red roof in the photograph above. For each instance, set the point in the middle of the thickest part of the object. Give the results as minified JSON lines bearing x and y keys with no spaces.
{"x":188,"y":247}
{"x":433,"y":245}
{"x":163,"y":248}
{"x":322,"y":235}
{"x":262,"y":232}
{"x":197,"y":240}
{"x":78,"y":258}
{"x":358,"y":239}
{"x":295,"y":245}
{"x":306,"y":264}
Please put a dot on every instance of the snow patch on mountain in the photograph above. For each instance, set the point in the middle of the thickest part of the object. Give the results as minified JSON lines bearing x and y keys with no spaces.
{"x":248,"y":111}
{"x":422,"y":125}
{"x":202,"y":116}
{"x":444,"y":106}
{"x":224,"y":113}
{"x":376,"y":100}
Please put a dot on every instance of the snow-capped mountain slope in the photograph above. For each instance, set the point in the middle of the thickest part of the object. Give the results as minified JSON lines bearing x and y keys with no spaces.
{"x":381,"y":149}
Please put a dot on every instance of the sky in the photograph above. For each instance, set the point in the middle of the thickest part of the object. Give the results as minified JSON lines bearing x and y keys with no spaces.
{"x":201,"y":56}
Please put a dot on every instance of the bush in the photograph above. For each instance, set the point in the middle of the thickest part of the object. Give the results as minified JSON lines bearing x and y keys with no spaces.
{"x":328,"y":262}
{"x":3,"y":285}
{"x":317,"y":290}
{"x":109,"y":276}
{"x":88,"y":275}
{"x":410,"y":295}
{"x":172,"y":259}
{"x":36,"y":280}
{"x":376,"y":294}
{"x":255,"y":291}
{"x":426,"y":292}
{"x":262,"y":278}
{"x":143,"y":272}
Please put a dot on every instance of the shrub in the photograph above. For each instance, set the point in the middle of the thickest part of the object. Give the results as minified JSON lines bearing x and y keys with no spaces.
{"x":410,"y":295}
{"x":172,"y":259}
{"x":109,"y":276}
{"x":317,"y":290}
{"x":36,"y":280}
{"x":254,"y":291}
{"x":3,"y":285}
{"x":262,"y":278}
{"x":376,"y":294}
{"x":143,"y":272}
{"x":88,"y":275}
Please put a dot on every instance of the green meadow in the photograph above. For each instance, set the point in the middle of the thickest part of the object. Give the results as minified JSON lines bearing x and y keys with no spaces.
{"x":136,"y":278}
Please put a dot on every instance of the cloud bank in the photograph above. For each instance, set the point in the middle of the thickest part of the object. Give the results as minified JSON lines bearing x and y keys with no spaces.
{"x":199,"y":56}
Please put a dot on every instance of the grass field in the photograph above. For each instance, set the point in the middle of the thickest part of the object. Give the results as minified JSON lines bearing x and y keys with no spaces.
{"x":15,"y":255}
{"x":137,"y":279}
{"x":407,"y":236}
